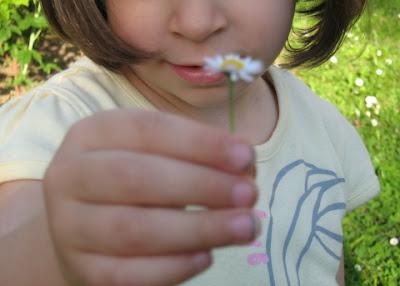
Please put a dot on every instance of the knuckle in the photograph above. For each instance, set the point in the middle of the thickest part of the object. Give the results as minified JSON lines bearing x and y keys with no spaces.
{"x":123,"y":171}
{"x":94,"y":124}
{"x":78,"y":128}
{"x":209,"y":232}
{"x":58,"y":174}
{"x":130,"y":173}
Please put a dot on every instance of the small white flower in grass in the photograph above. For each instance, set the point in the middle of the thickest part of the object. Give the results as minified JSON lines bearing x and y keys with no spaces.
{"x":374,"y":122}
{"x":357,"y":112}
{"x":389,"y":61}
{"x":377,"y":109}
{"x":379,"y":72}
{"x":368,"y":113}
{"x":334,"y":60}
{"x":356,"y":38}
{"x":359,"y":82}
{"x":370,"y":101}
{"x":394,"y":241}
{"x":234,"y":66}
{"x":358,"y":267}
{"x":379,"y":53}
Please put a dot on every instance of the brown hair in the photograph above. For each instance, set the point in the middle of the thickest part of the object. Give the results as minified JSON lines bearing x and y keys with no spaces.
{"x":84,"y":23}
{"x":319,"y":41}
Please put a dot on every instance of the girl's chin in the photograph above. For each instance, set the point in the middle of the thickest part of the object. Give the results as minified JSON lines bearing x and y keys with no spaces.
{"x":205,"y":99}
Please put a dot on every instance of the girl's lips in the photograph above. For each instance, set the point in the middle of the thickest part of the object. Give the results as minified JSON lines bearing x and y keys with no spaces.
{"x":196,"y":75}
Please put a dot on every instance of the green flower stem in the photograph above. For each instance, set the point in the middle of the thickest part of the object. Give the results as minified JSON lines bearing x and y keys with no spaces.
{"x":231,"y":105}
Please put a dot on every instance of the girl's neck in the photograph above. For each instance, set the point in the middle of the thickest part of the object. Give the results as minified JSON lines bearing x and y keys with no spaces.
{"x":256,"y":111}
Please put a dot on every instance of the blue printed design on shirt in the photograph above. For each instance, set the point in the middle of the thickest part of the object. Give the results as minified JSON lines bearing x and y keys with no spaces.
{"x":317,"y":183}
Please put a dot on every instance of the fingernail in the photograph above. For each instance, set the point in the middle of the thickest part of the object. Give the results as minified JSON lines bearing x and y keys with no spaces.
{"x":245,"y":227}
{"x":242,"y":194}
{"x":241,"y":156}
{"x":202,"y":260}
{"x":253,"y":171}
{"x":257,"y":225}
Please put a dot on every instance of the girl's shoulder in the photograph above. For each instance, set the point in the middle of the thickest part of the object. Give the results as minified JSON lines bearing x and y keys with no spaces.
{"x":299,"y":95}
{"x":297,"y":98}
{"x":84,"y":86}
{"x":33,"y":125}
{"x":319,"y":123}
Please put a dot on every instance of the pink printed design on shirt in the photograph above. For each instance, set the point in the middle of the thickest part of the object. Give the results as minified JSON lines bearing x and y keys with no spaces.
{"x":255,"y":259}
{"x":256,"y":243}
{"x":261,"y":214}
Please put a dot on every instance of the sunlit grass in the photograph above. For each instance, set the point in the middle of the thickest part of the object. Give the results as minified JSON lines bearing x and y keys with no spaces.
{"x":362,"y":80}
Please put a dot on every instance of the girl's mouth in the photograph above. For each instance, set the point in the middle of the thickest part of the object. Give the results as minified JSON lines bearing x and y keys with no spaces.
{"x":196,"y":74}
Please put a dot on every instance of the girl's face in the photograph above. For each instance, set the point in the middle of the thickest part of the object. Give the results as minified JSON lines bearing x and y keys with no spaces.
{"x":185,"y":31}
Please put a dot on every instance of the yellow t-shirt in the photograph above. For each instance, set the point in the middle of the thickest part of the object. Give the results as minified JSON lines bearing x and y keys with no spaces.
{"x":311,"y":171}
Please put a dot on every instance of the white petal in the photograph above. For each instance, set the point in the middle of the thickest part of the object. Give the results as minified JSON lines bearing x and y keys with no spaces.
{"x":234,"y":57}
{"x":255,"y":67}
{"x":211,"y":60}
{"x":246,"y":77}
{"x":213,"y":64}
{"x":234,"y":77}
{"x":211,"y":69}
{"x":219,"y":59}
{"x":394,"y":241}
{"x":247,"y":60}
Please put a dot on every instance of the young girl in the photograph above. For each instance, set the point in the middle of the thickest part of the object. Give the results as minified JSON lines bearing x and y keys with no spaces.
{"x":120,"y":171}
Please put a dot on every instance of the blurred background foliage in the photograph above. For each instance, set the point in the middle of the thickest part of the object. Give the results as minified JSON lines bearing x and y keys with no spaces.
{"x":362,"y":80}
{"x":28,"y":52}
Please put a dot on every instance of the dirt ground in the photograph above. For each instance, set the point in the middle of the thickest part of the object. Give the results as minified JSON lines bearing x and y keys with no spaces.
{"x":52,"y":49}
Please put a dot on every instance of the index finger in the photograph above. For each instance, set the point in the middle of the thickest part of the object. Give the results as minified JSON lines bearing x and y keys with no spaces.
{"x":164,"y":134}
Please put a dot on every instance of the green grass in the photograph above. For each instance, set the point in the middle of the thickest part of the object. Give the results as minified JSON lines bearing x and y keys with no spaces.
{"x":369,"y":228}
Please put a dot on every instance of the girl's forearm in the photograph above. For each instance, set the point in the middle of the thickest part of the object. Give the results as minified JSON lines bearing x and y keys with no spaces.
{"x":27,"y":257}
{"x":340,"y":274}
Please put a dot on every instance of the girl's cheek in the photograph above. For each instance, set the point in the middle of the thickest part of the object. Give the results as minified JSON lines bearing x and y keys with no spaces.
{"x":139,"y":26}
{"x":267,"y":28}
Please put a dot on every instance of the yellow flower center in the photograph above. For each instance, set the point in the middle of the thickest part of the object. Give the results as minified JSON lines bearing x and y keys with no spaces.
{"x":232,"y":64}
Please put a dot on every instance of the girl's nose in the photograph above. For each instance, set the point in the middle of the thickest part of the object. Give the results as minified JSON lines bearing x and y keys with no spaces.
{"x":197,"y":20}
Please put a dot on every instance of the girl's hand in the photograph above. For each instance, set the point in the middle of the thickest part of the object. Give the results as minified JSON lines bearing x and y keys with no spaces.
{"x":116,"y":192}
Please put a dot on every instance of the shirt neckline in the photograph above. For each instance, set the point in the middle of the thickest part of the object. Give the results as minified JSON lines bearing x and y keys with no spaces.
{"x":268,"y":149}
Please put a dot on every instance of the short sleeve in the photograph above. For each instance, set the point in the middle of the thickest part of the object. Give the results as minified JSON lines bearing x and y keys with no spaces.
{"x":362,"y":183}
{"x":32,"y":127}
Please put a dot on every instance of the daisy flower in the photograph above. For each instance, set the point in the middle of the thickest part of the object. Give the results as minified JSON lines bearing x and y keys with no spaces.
{"x":374,"y":122}
{"x":358,"y":267}
{"x":334,"y":60}
{"x":235,"y":68}
{"x":394,"y":241}
{"x":359,"y":82}
{"x":370,"y":101}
